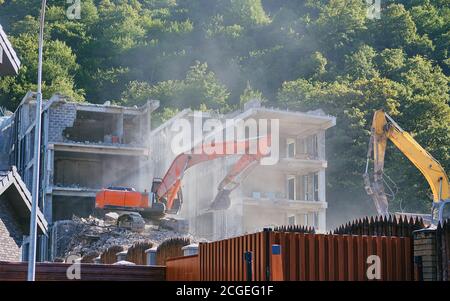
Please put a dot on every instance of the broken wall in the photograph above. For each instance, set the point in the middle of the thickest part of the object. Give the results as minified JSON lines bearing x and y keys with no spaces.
{"x":64,"y":207}
{"x":68,"y":122}
{"x":61,"y":116}
{"x":98,"y":171}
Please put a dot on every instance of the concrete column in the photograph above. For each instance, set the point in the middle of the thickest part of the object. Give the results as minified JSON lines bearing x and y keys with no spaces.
{"x":48,"y":185}
{"x":149,"y":123}
{"x":25,"y":118}
{"x":119,"y":127}
{"x":321,"y":144}
{"x":43,"y":245}
{"x":48,"y":212}
{"x":322,"y":186}
{"x":322,"y":221}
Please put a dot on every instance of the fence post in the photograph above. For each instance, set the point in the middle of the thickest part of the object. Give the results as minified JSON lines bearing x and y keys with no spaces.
{"x":248,"y":266}
{"x":97,"y":260}
{"x":121,"y":256}
{"x":418,"y":271}
{"x":151,"y":256}
{"x":425,"y":246}
{"x":267,"y":247}
{"x":277,"y":264}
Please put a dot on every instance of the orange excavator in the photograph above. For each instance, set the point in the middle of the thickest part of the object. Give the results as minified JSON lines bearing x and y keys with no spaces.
{"x":166,"y":195}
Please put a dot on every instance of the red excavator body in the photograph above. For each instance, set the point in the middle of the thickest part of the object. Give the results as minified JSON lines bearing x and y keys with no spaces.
{"x":166,"y":196}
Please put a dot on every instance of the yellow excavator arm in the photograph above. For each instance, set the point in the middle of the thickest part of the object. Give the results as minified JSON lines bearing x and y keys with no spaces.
{"x":383,"y":128}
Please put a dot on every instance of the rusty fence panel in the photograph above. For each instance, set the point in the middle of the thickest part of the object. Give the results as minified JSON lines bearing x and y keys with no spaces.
{"x":185,"y":268}
{"x":17,"y":271}
{"x":224,"y":260}
{"x":307,"y":256}
{"x":320,"y":257}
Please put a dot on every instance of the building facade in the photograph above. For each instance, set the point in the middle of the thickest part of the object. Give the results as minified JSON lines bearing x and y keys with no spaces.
{"x":85,"y":147}
{"x":292,"y":191}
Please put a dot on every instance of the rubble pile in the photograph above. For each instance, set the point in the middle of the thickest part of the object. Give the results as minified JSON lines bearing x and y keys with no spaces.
{"x":92,"y":235}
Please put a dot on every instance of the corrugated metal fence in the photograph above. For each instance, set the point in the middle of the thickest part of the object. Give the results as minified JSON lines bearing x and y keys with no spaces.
{"x":185,"y":268}
{"x":224,"y":259}
{"x":342,"y":257}
{"x":443,"y":244}
{"x":305,"y":257}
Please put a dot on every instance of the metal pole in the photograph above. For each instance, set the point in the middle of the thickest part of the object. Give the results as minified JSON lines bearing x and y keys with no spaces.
{"x":37,"y":153}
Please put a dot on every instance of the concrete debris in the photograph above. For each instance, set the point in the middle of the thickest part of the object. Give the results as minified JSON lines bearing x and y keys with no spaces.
{"x":92,"y":236}
{"x":111,"y":218}
{"x":176,"y":224}
{"x":108,"y":141}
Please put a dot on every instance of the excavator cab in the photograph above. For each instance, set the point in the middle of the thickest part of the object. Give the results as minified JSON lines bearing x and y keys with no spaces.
{"x":176,"y":206}
{"x":440,"y":211}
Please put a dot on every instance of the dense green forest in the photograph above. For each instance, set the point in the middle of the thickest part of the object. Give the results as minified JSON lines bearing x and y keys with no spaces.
{"x":217,"y":54}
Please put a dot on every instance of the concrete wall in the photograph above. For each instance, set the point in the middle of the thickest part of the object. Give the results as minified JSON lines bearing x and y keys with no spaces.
{"x":61,"y":115}
{"x":10,"y":234}
{"x":66,"y":122}
{"x":199,"y":186}
{"x":97,"y":171}
{"x":5,"y":140}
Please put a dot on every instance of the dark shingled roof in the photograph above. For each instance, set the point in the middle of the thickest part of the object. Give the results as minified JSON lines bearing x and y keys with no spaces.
{"x":14,"y":191}
{"x":9,"y":62}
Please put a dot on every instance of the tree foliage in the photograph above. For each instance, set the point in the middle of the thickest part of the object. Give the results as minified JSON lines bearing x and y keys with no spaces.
{"x":219,"y":54}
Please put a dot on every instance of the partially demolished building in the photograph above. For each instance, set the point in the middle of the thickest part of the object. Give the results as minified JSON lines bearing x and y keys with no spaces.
{"x":292,"y":191}
{"x":84,"y":147}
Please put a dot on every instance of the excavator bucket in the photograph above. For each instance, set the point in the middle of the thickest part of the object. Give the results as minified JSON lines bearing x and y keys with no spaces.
{"x":222,"y":200}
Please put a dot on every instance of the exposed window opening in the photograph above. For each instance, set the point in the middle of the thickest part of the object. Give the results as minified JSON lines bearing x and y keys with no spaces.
{"x":316,"y":220}
{"x":290,"y":148}
{"x":104,"y":128}
{"x":291,"y":191}
{"x":316,"y":187}
{"x":291,"y":220}
{"x":305,"y":219}
{"x":91,"y":127}
{"x":310,"y":187}
{"x":308,"y":147}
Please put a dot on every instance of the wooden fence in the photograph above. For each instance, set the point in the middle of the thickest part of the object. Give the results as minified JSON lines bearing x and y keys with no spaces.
{"x":304,"y":256}
{"x":170,"y":248}
{"x":136,"y":253}
{"x":10,"y":271}
{"x":109,"y":256}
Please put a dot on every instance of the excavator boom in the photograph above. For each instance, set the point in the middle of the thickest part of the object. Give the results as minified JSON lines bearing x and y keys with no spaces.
{"x":384,"y":128}
{"x":171,"y":182}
